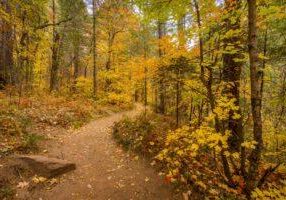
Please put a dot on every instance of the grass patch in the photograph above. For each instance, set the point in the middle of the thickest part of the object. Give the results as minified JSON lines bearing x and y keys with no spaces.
{"x":6,"y":192}
{"x":31,"y":141}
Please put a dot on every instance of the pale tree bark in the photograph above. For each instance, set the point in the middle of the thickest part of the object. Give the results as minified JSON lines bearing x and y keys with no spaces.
{"x":145,"y":75}
{"x":182,"y":45}
{"x":94,"y":49}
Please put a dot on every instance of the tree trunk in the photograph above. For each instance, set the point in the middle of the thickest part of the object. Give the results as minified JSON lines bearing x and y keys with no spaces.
{"x":256,"y":97}
{"x":76,"y":65}
{"x":178,"y":98}
{"x":211,"y":97}
{"x":55,"y":51}
{"x":145,"y":80}
{"x":231,"y":73}
{"x":94,"y":50}
{"x":108,"y":65}
{"x":161,"y":86}
{"x":7,"y":73}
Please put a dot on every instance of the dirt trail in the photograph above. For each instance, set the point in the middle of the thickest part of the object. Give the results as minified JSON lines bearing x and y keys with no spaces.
{"x":104,"y":170}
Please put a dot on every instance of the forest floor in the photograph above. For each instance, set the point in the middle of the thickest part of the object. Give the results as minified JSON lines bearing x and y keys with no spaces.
{"x":104,"y":170}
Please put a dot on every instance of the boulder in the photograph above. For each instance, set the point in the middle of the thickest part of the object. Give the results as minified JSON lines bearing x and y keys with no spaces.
{"x":45,"y":166}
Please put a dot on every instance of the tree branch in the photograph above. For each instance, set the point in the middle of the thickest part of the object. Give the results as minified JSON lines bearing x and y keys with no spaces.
{"x":266,"y":174}
{"x":51,"y":24}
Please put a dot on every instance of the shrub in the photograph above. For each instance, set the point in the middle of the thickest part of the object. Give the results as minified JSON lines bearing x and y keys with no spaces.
{"x":273,"y":191}
{"x":31,"y":141}
{"x":144,"y":134}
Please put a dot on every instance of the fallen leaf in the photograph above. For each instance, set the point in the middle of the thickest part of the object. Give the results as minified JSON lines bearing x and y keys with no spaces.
{"x":38,"y":179}
{"x":153,"y":163}
{"x":53,"y":181}
{"x":161,"y":174}
{"x":22,"y":184}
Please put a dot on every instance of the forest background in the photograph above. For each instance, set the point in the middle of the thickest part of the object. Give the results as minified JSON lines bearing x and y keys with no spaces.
{"x":214,"y":69}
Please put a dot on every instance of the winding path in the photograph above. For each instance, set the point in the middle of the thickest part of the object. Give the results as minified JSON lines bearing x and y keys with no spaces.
{"x":104,"y":170}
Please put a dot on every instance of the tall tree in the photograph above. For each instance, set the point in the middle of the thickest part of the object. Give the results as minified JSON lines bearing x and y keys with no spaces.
{"x":6,"y":46}
{"x":94,"y":16}
{"x":232,"y":65}
{"x":161,"y":86}
{"x":55,"y":50}
{"x":256,"y":96}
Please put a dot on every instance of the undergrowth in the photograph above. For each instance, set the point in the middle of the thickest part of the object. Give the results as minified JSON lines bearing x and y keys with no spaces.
{"x":142,"y":135}
{"x":6,"y":192}
{"x":20,"y":115}
{"x":186,"y":158}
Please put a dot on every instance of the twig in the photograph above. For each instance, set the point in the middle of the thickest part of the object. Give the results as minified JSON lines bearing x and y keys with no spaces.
{"x":266,"y":174}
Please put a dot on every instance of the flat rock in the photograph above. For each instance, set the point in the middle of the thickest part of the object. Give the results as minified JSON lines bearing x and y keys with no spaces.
{"x":45,"y":166}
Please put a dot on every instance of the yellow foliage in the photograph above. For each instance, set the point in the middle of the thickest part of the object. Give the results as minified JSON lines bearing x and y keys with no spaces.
{"x":276,"y":192}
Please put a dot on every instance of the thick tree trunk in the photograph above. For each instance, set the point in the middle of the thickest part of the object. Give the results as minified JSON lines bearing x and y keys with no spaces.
{"x":232,"y":72}
{"x":108,"y":65}
{"x":7,"y":73}
{"x":55,"y":51}
{"x":161,"y":86}
{"x":256,"y":97}
{"x":55,"y":63}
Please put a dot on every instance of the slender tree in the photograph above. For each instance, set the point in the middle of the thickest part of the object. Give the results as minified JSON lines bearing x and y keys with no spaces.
{"x":161,"y":86}
{"x":55,"y":51}
{"x":256,"y":96}
{"x":94,"y":48}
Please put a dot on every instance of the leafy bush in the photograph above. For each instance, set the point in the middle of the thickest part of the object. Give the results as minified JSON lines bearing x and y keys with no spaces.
{"x":189,"y":156}
{"x":121,"y":100}
{"x":144,"y":134}
{"x":31,"y":141}
{"x":84,"y":86}
{"x":273,"y":191}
